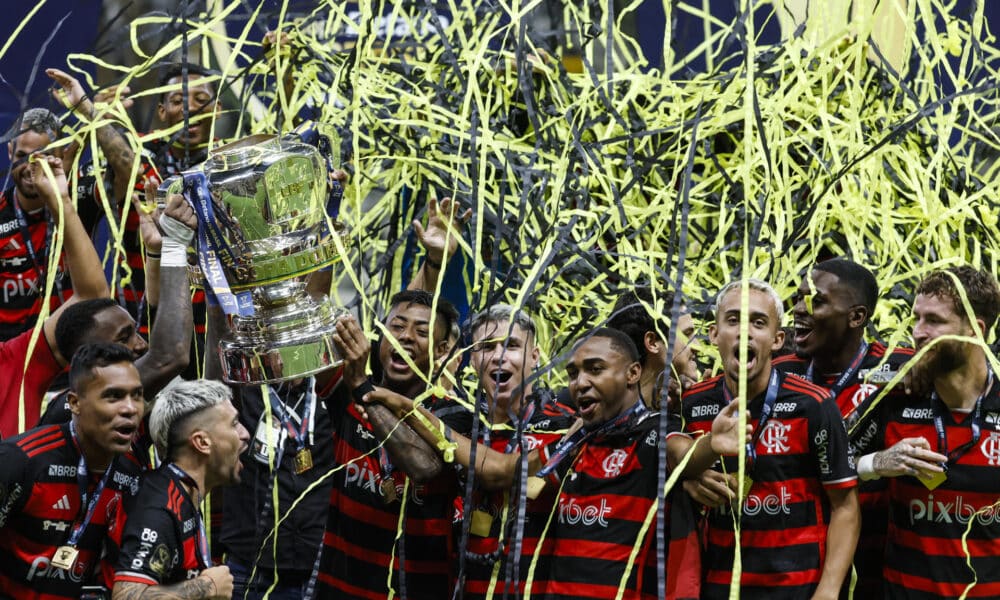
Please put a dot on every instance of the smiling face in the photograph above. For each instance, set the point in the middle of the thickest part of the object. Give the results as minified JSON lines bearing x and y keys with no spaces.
{"x":503,"y":363}
{"x":18,"y":150}
{"x":409,"y":324}
{"x":108,"y":407}
{"x":603,"y":382}
{"x":835,"y":312}
{"x":764,"y":337}
{"x":199,"y":102}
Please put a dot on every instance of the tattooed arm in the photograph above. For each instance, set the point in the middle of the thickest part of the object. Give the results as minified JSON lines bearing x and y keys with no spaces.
{"x":119,"y":154}
{"x":215,"y":582}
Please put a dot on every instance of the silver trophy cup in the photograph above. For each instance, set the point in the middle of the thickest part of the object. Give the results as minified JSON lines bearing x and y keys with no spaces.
{"x":263,"y":229}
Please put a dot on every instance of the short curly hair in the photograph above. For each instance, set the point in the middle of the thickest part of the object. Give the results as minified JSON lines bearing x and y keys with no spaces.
{"x":980,"y":287}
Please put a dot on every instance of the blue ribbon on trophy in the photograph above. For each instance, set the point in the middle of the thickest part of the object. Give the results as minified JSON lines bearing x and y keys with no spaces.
{"x":214,"y":250}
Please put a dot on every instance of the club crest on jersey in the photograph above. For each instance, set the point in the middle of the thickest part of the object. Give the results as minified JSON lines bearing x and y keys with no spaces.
{"x":614,"y":462}
{"x":774,"y":438}
{"x":990,"y":447}
{"x":862,"y":393}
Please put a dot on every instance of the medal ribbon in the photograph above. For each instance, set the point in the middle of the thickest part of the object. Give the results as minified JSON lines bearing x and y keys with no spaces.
{"x":213,"y":249}
{"x":567,"y":445}
{"x":22,"y":223}
{"x":82,"y":479}
{"x":203,"y":553}
{"x":977,"y":424}
{"x":765,"y":414}
{"x":303,"y":435}
{"x":847,"y":376}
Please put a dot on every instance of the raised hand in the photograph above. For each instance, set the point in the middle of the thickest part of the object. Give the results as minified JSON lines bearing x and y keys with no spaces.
{"x":440,"y":237}
{"x":69,"y":93}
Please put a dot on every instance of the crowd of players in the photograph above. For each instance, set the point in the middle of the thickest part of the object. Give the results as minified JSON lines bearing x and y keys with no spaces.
{"x":372,"y":480}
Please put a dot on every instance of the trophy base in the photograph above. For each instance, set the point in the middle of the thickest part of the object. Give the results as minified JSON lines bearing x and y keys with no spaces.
{"x":286,"y":343}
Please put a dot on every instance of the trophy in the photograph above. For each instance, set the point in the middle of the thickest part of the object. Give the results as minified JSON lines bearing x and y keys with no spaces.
{"x":264,"y":224}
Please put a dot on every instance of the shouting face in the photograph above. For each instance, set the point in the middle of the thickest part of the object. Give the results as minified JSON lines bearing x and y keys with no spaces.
{"x":603,"y":381}
{"x":503,"y":361}
{"x":764,"y":337}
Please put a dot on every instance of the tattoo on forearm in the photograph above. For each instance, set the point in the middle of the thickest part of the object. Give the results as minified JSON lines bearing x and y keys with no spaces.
{"x":192,"y":589}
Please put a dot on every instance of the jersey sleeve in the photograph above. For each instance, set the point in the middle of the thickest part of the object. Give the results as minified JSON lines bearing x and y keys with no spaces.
{"x":149,"y":547}
{"x":14,"y":488}
{"x":828,"y":441}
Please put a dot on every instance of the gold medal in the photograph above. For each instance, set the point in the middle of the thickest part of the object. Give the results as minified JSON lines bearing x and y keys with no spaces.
{"x":535,"y":487}
{"x":388,"y":487}
{"x":482,"y":523}
{"x":64,"y":557}
{"x":935,"y":480}
{"x":303,"y":461}
{"x":747,"y":484}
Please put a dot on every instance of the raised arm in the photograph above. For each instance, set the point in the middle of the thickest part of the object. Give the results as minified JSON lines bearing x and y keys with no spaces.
{"x":439,"y":240}
{"x":81,"y":258}
{"x":170,"y":338}
{"x":408,"y":450}
{"x":118,"y":153}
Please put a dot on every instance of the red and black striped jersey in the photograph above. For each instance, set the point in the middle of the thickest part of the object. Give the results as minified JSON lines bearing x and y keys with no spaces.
{"x":21,"y":277}
{"x":159,"y":540}
{"x":600,"y":519}
{"x":801,"y":450}
{"x":928,"y":528}
{"x":41,"y":504}
{"x":485,"y":555}
{"x":42,"y":370}
{"x":360,"y":547}
{"x":863,"y":427}
{"x":854,"y":398}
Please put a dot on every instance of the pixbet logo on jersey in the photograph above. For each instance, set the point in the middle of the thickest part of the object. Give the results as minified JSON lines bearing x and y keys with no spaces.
{"x":957,"y":511}
{"x":573,"y":513}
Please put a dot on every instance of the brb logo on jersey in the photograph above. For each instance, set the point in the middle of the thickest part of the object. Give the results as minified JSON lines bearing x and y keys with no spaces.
{"x":775,"y":437}
{"x":614,"y":463}
{"x":991,"y":449}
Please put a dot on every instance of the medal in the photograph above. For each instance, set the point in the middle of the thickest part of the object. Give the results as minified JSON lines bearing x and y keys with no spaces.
{"x":535,"y":487}
{"x":388,"y":487}
{"x":935,"y":480}
{"x":482,"y":523}
{"x":303,"y":461}
{"x":64,"y":557}
{"x":747,"y":484}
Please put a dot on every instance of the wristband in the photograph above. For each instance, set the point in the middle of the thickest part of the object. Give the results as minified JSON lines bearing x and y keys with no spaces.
{"x":866,"y":467}
{"x":152,"y":255}
{"x":431,"y":263}
{"x":359,"y":392}
{"x":176,"y":238}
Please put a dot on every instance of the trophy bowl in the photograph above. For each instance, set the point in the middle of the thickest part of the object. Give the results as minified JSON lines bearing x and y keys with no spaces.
{"x":263,"y":228}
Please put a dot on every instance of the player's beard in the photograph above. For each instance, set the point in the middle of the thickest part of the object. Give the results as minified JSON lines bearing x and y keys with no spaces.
{"x":944,"y":357}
